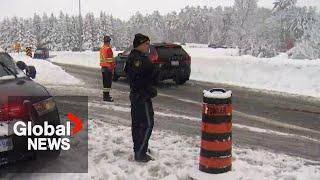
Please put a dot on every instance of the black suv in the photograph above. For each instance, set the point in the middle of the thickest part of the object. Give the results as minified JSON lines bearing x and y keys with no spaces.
{"x":41,"y":53}
{"x":21,"y":99}
{"x":172,"y":61}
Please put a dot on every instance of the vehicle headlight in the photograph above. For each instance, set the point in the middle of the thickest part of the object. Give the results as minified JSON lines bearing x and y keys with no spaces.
{"x":45,"y":106}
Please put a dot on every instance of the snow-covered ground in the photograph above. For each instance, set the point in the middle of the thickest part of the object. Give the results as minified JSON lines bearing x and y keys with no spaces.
{"x":225,"y":66}
{"x":110,"y":157}
{"x":47,"y":73}
{"x":200,"y":52}
{"x":87,"y":58}
{"x":276,"y":74}
{"x":178,"y":155}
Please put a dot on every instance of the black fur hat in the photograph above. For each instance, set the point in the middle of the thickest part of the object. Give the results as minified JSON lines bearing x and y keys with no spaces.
{"x":140,"y":39}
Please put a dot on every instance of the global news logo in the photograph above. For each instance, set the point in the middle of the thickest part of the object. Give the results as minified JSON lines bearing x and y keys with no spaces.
{"x":48,"y":137}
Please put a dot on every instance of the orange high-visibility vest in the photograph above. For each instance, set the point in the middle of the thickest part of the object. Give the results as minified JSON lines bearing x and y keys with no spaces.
{"x":106,"y":57}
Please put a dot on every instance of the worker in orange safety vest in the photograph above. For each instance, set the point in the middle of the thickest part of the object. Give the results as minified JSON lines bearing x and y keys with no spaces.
{"x":107,"y":64}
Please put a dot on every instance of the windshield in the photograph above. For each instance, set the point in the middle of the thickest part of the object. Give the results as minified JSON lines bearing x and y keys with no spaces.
{"x":8,"y":61}
{"x":39,"y":51}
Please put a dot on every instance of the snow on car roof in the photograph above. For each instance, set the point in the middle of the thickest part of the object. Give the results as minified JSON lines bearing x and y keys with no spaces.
{"x":217,"y":93}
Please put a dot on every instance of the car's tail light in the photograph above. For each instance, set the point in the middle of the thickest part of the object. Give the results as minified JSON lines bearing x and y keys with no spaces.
{"x":9,"y":112}
{"x":154,"y":57}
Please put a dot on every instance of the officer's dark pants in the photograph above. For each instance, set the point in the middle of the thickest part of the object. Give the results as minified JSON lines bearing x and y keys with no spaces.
{"x":142,"y":124}
{"x":107,"y":81}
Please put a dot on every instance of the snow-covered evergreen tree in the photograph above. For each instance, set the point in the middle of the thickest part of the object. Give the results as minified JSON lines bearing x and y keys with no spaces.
{"x":6,"y":38}
{"x":91,"y":32}
{"x":256,"y":31}
{"x":293,"y":20}
{"x":280,"y":5}
{"x":105,"y":27}
{"x":309,"y":45}
{"x":244,"y":23}
{"x":171,"y":27}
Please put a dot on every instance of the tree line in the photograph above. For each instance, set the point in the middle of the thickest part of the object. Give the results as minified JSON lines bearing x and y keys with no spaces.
{"x":255,"y":30}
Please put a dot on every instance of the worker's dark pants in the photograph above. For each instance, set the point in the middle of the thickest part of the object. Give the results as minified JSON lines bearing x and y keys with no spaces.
{"x":107,"y":81}
{"x":142,"y":124}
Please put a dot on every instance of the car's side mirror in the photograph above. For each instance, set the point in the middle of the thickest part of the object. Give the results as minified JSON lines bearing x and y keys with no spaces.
{"x":21,"y":65}
{"x":31,"y":72}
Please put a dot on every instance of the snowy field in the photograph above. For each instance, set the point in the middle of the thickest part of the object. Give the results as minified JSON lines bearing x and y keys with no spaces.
{"x":279,"y":74}
{"x":47,"y":73}
{"x":87,"y":58}
{"x":110,"y":157}
{"x":275,"y":74}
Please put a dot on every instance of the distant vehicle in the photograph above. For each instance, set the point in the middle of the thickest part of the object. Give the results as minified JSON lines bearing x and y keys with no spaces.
{"x":215,"y":46}
{"x":171,"y":60}
{"x":121,"y":48}
{"x":75,"y":49}
{"x":96,"y":49}
{"x":41,"y":53}
{"x":29,"y":102}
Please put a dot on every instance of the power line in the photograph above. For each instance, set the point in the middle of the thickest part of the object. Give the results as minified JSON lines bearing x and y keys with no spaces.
{"x":81,"y":28}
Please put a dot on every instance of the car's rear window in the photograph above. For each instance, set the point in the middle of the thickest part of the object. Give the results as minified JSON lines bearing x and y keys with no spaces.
{"x":8,"y":61}
{"x":39,"y":51}
{"x":167,"y":52}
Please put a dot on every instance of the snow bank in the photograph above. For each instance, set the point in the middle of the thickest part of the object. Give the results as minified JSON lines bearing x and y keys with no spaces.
{"x":87,"y":58}
{"x":47,"y":73}
{"x":225,"y":66}
{"x":92,"y":59}
{"x":196,"y":45}
{"x":196,"y":53}
{"x":276,"y":74}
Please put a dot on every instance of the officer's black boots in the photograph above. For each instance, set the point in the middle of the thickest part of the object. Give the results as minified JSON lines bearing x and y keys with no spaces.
{"x":145,"y":158}
{"x":107,"y":97}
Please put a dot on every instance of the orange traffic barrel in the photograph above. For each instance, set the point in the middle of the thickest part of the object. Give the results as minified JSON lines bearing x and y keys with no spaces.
{"x":216,"y":128}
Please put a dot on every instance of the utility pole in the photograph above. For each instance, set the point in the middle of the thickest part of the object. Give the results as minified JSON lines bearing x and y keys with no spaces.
{"x":81,"y":28}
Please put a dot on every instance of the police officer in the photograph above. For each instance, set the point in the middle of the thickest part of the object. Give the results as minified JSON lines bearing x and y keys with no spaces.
{"x":142,"y":77}
{"x":107,"y":67}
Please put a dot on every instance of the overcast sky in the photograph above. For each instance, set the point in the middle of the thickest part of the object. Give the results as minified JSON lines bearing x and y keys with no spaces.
{"x":122,"y":9}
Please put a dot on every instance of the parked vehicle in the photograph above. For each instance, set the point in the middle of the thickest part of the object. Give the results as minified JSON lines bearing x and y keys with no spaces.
{"x":75,"y":49}
{"x":41,"y":53}
{"x":215,"y":46}
{"x":171,"y":60}
{"x":95,"y":49}
{"x":21,"y":99}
